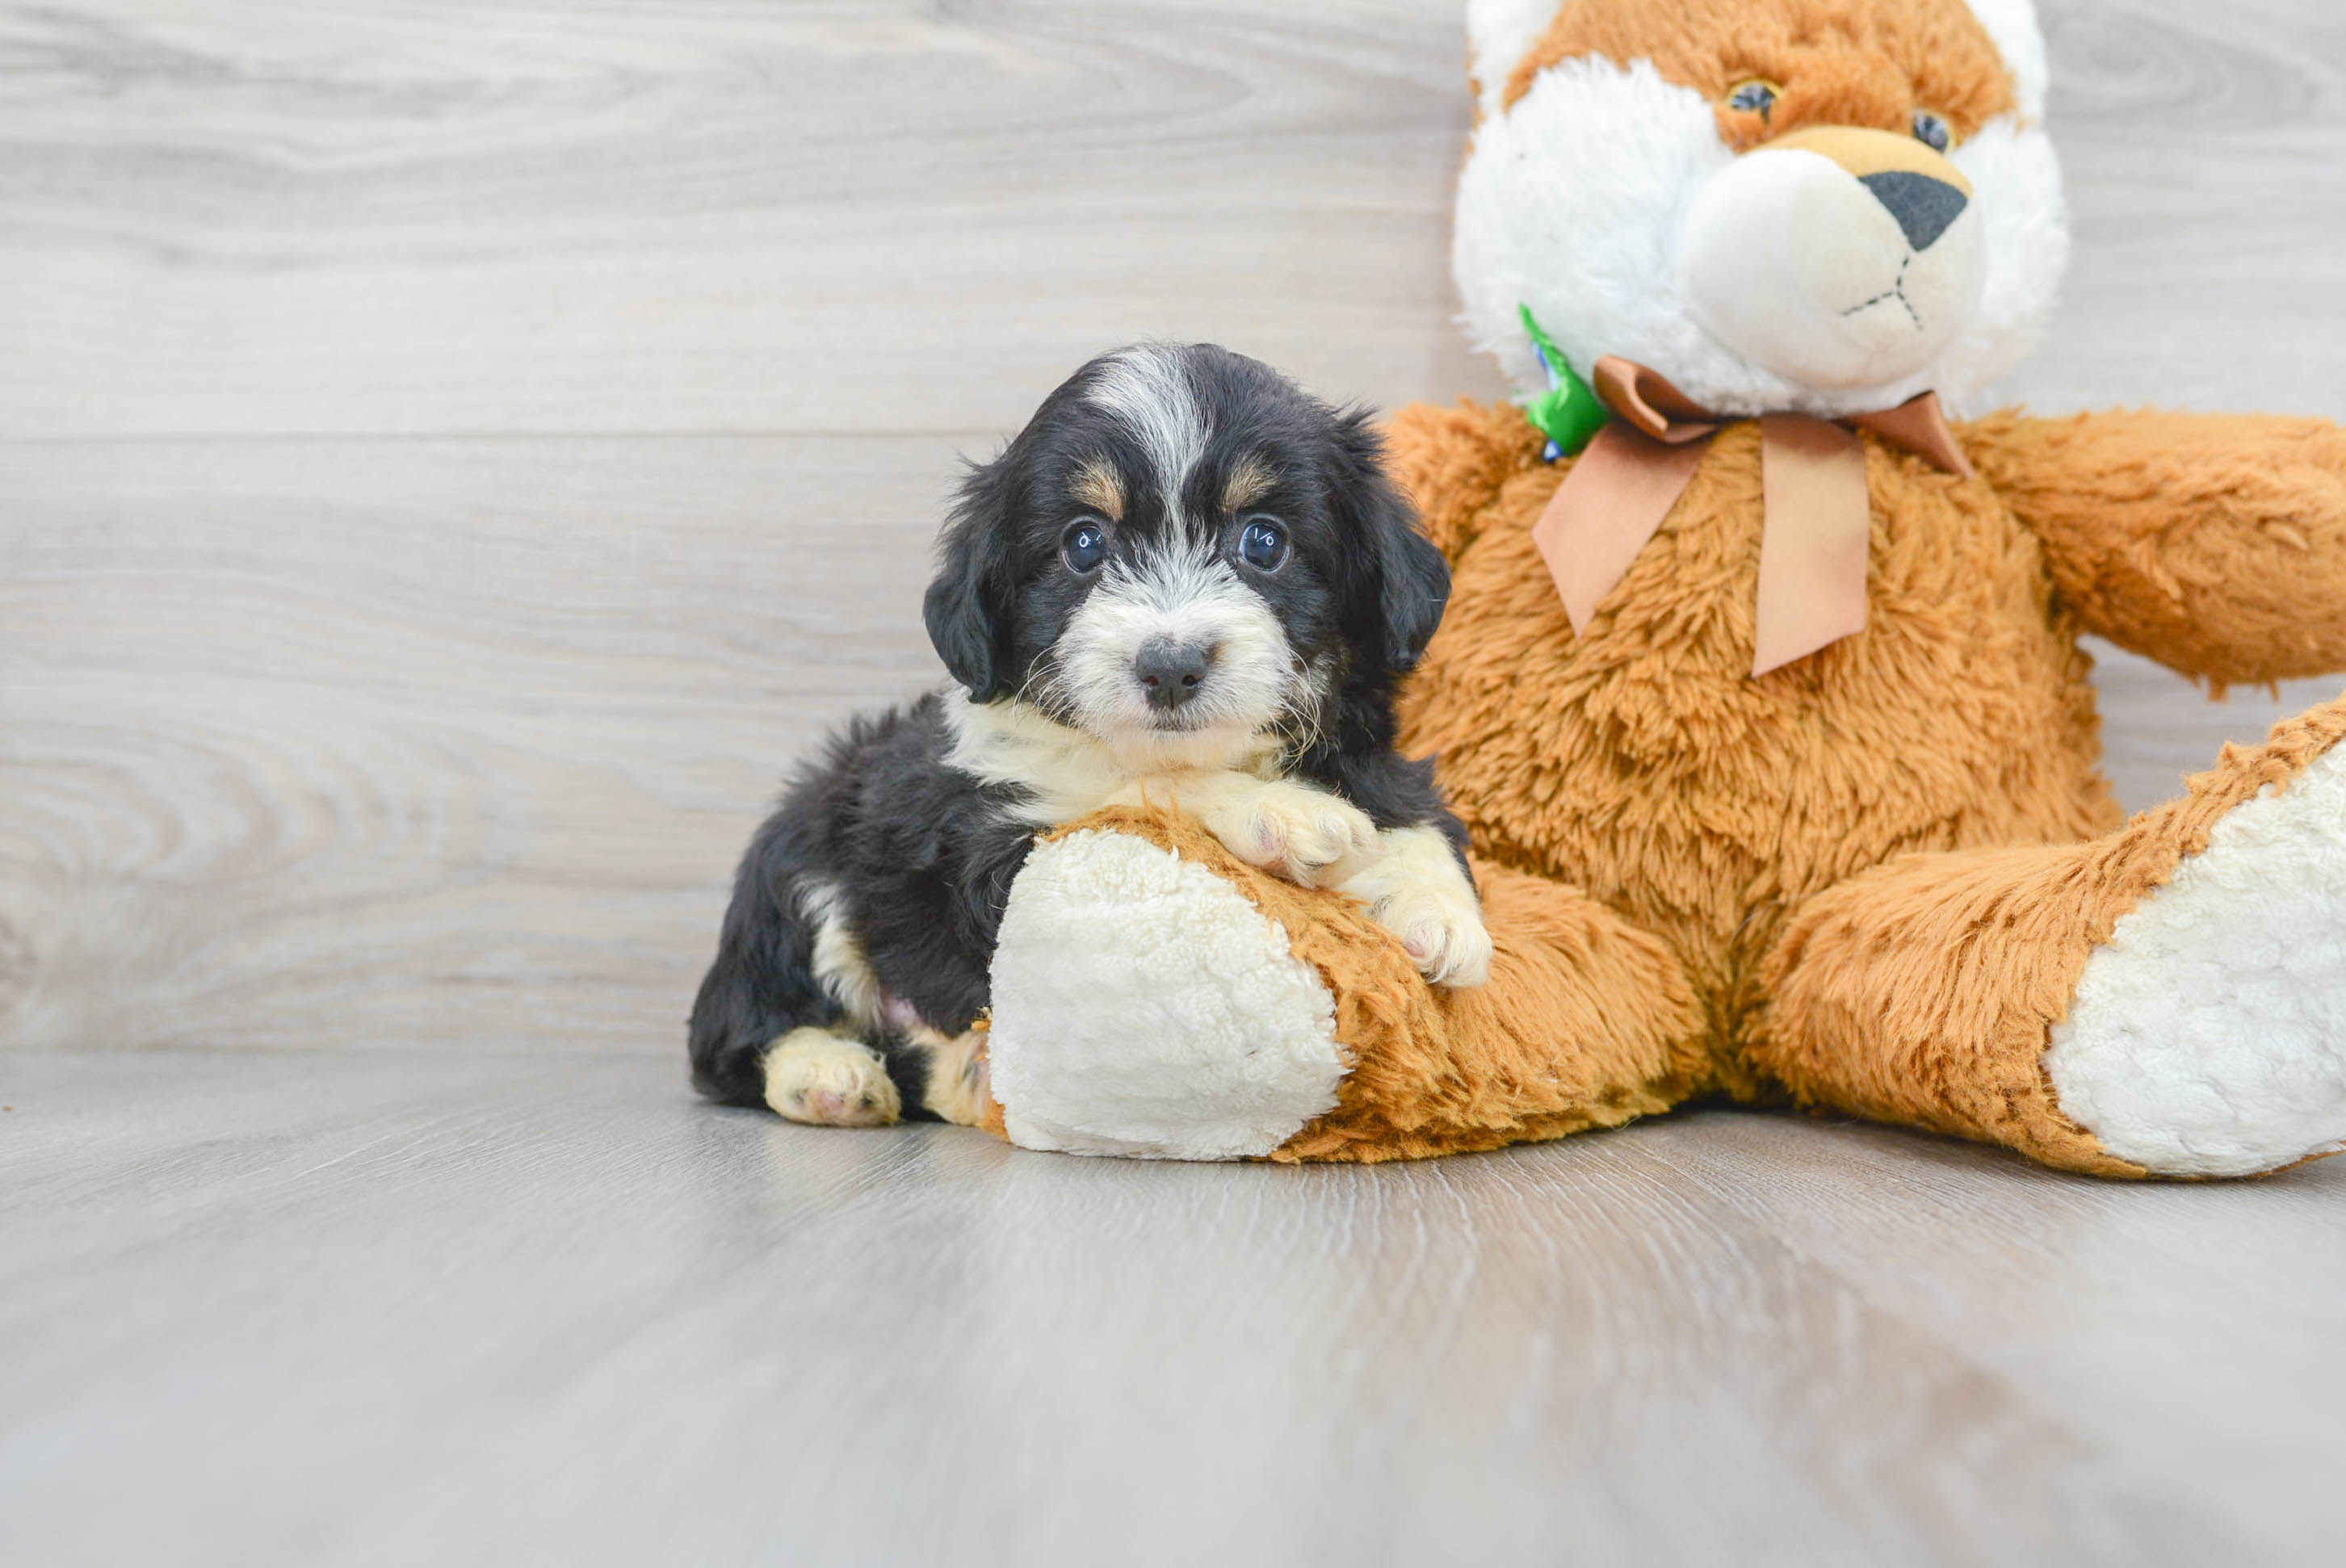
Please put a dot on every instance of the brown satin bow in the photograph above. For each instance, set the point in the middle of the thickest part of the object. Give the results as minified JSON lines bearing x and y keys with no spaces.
{"x":1812,"y":544}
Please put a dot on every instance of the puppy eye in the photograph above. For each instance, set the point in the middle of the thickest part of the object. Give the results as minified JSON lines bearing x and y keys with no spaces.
{"x":1932,"y":130}
{"x":1753,"y":98}
{"x":1083,"y":546}
{"x":1263,"y":545}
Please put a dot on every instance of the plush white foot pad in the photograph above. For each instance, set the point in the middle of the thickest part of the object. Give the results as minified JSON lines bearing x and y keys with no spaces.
{"x":1143,"y":1006}
{"x":2209,"y":1035}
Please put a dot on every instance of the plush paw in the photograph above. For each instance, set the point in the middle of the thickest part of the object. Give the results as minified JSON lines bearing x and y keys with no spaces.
{"x":1416,"y":890}
{"x":829,"y":1081}
{"x":1143,"y":1006}
{"x":2208,"y":1036}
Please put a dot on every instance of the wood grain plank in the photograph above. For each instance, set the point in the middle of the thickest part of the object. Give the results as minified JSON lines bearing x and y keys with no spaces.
{"x":2159,"y":728}
{"x":372,"y":1310}
{"x":309,"y":743}
{"x":434,"y":217}
{"x":2201,"y":148}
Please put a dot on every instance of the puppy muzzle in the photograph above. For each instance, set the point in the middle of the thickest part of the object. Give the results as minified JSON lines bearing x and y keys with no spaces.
{"x":1173,"y":644}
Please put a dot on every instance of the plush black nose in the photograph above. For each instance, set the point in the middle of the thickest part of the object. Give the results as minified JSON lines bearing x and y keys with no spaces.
{"x":1923,"y":206}
{"x":1170,"y":671}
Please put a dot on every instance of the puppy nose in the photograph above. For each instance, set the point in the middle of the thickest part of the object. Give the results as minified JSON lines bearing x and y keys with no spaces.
{"x":1923,"y":206}
{"x":1171,"y":671}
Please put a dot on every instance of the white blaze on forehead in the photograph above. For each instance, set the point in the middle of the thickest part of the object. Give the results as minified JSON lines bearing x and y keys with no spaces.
{"x":1148,"y":389}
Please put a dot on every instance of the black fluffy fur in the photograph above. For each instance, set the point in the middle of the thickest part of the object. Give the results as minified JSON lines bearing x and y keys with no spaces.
{"x":921,"y":855}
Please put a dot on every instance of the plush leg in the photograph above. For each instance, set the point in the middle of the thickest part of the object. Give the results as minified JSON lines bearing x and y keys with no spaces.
{"x":1155,"y":996}
{"x":2167,"y":1001}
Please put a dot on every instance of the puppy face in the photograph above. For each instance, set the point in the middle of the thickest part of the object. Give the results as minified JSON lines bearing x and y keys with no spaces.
{"x":1182,"y":555}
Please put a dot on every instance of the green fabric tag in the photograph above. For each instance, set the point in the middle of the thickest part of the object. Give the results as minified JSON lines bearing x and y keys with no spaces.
{"x":1569,"y":413}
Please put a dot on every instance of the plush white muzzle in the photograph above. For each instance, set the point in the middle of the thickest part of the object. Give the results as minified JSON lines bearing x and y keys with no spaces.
{"x":1826,"y":277}
{"x":1781,"y":280}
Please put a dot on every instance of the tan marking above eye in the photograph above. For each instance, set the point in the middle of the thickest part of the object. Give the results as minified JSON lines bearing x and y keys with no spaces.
{"x":1097,"y":487}
{"x":1249,"y":482}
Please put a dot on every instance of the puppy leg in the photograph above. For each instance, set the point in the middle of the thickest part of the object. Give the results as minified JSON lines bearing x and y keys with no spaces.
{"x":1417,"y":890}
{"x":1310,"y":836}
{"x":829,"y":1080}
{"x":951,"y":1075}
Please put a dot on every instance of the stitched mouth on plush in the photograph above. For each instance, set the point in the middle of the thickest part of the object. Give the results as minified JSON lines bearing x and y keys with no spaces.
{"x":1838,"y":260}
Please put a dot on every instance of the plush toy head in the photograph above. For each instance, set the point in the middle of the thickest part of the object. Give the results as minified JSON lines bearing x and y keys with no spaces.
{"x":1816,"y":205}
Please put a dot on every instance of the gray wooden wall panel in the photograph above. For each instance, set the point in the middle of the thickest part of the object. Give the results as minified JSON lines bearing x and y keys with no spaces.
{"x":434,"y":743}
{"x":454,"y":457}
{"x":445,"y":216}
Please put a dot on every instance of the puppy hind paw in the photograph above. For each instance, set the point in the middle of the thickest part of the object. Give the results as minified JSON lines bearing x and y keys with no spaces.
{"x":827,"y":1080}
{"x":956,"y":1087}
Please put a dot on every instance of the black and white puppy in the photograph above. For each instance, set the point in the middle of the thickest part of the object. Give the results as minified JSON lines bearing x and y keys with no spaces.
{"x":1185,"y":582}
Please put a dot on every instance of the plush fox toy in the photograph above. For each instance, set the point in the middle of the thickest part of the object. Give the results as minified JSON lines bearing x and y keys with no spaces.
{"x":1759,"y":687}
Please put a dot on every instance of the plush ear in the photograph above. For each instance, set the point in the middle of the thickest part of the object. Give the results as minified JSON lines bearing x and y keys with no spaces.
{"x":1499,"y":34}
{"x":1412,"y":579}
{"x":969,"y":599}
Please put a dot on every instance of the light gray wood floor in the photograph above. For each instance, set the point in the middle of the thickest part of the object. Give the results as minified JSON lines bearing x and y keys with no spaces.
{"x":508,"y":1307}
{"x":454,"y":456}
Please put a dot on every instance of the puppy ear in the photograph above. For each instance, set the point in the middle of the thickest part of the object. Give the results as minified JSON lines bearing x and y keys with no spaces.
{"x":1412,"y":580}
{"x":968,"y":601}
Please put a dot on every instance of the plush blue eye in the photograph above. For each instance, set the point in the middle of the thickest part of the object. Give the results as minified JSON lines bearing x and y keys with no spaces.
{"x":1932,"y":130}
{"x":1753,"y":98}
{"x":1083,"y":546}
{"x":1263,"y":546}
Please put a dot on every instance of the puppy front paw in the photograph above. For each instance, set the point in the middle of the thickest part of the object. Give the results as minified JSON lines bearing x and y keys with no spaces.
{"x":1308,"y":836}
{"x":1419,"y":891}
{"x":827,"y":1080}
{"x":1442,"y":932}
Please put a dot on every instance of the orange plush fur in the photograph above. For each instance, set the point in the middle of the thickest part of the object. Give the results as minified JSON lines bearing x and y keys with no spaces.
{"x":1870,"y":880}
{"x":1749,"y":822}
{"x":1834,"y":62}
{"x":1882,"y":867}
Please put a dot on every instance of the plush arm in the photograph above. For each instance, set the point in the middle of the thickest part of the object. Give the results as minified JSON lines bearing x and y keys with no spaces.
{"x":2214,"y":543}
{"x":1453,"y":462}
